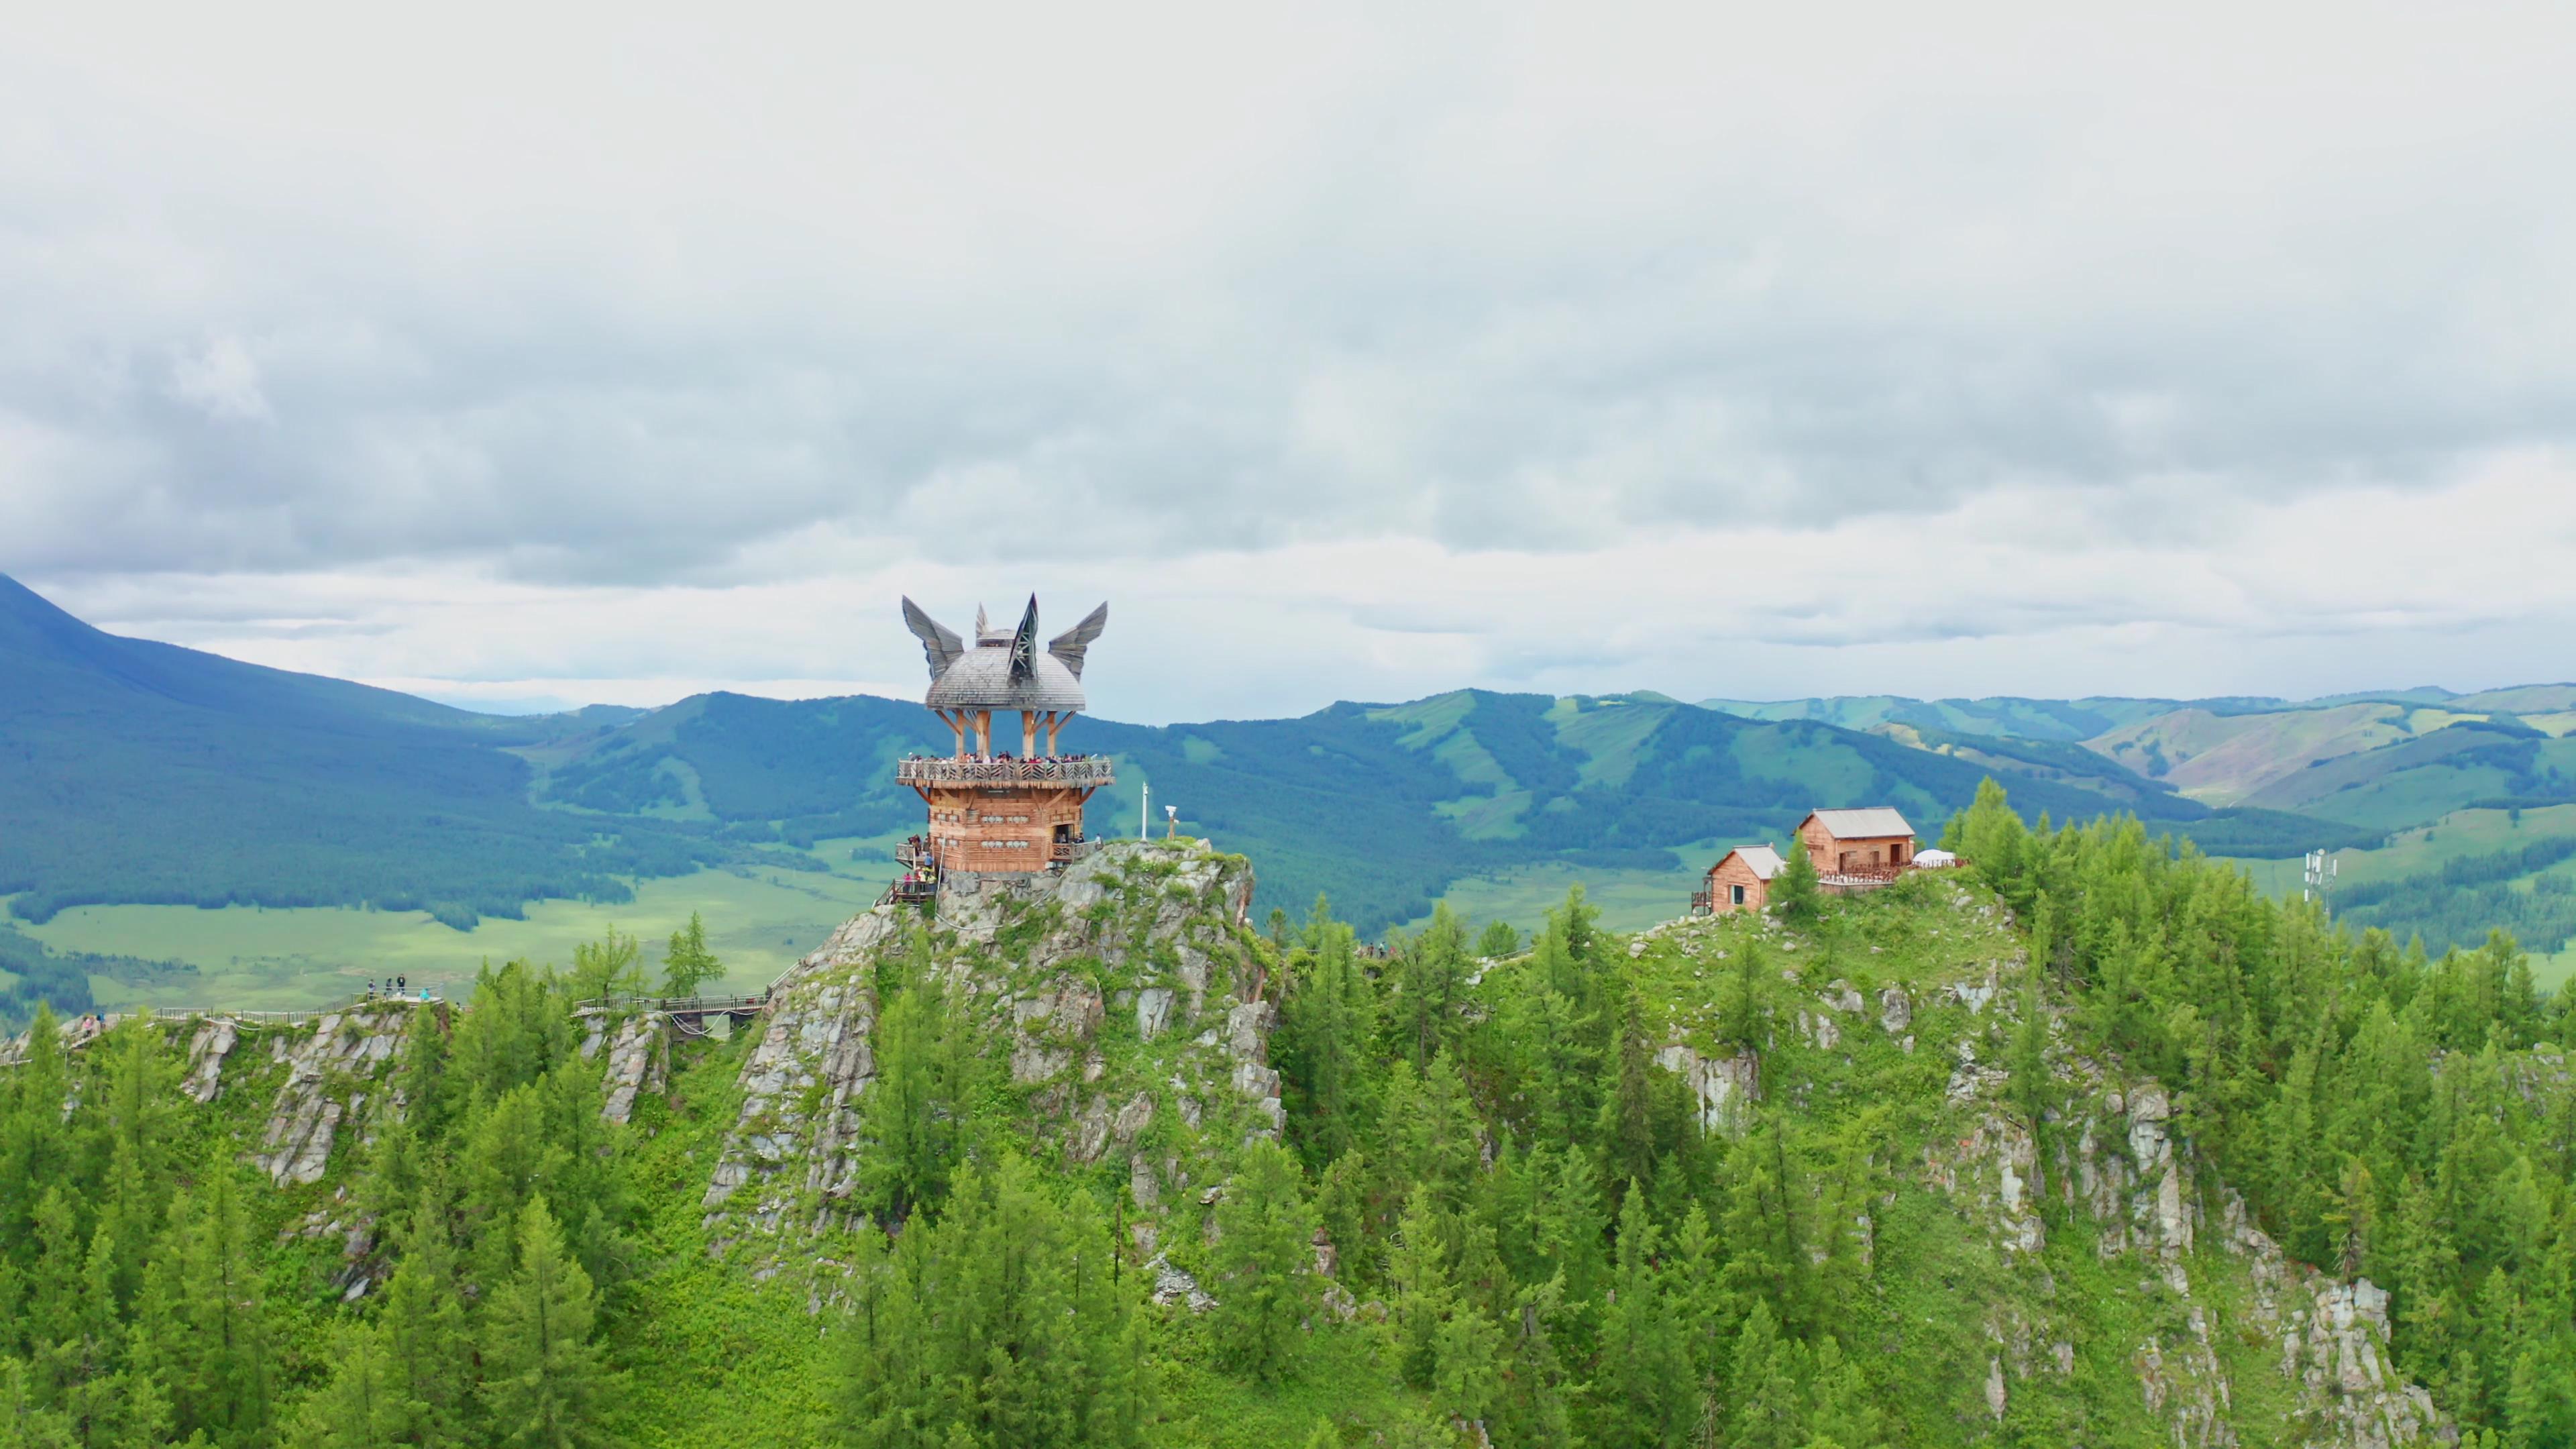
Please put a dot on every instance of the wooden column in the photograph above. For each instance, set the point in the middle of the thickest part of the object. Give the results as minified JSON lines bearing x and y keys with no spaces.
{"x":1028,"y":733}
{"x":984,"y":733}
{"x":1055,"y":721}
{"x":957,"y":726}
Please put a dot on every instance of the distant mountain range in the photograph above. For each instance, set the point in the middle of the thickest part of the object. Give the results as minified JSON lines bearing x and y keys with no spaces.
{"x":141,"y":772}
{"x":2375,"y":761}
{"x":2075,"y":720}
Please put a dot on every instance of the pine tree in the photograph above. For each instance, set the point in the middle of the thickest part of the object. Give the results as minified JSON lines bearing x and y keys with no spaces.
{"x":687,"y":964}
{"x":201,"y":1312}
{"x":2027,"y":1085}
{"x":1581,"y":922}
{"x":506,"y":1161}
{"x":423,"y":1321}
{"x":1498,"y":940}
{"x":1991,"y":838}
{"x":363,"y":1405}
{"x":914,"y":1116}
{"x":1442,"y":1137}
{"x":35,"y":1151}
{"x":1767,"y":1411}
{"x":1572,"y":1226}
{"x":1745,"y":1017}
{"x":606,"y":967}
{"x":24,"y":1425}
{"x":1328,"y":1030}
{"x":997,"y":1322}
{"x":1529,"y":1411}
{"x":1464,"y":1375}
{"x":1432,"y":978}
{"x":1643,"y":1390}
{"x":1796,"y":895}
{"x":1843,"y":1415}
{"x":1418,"y":1273}
{"x":137,"y":1131}
{"x":1264,"y":1264}
{"x":1626,"y":1128}
{"x":543,"y":1380}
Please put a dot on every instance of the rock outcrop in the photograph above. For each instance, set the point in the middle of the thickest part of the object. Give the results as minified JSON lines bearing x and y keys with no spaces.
{"x":1120,"y":999}
{"x":2108,"y":1171}
{"x":639,"y":1060}
{"x":1724,"y":1087}
{"x":329,"y":1073}
{"x":214,"y":1040}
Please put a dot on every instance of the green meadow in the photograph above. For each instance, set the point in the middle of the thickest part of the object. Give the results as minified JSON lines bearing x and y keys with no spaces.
{"x":1629,"y":900}
{"x":759,"y":920}
{"x":2457,"y":836}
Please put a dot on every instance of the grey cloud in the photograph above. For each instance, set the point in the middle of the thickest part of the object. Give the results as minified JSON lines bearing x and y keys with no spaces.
{"x":1514,"y":281}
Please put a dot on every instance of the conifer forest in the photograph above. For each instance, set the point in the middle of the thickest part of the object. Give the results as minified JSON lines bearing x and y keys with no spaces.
{"x":2086,"y":1142}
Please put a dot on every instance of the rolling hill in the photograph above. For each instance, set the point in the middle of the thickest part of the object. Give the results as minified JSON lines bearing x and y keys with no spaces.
{"x":141,"y":772}
{"x":144,"y":774}
{"x":1379,"y":806}
{"x":2009,"y":716}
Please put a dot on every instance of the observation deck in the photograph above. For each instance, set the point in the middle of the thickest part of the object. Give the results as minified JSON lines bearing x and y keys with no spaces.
{"x":1074,"y":772}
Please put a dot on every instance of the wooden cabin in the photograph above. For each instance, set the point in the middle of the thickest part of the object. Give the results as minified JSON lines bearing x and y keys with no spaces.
{"x":1871,"y":844}
{"x":1741,"y":879}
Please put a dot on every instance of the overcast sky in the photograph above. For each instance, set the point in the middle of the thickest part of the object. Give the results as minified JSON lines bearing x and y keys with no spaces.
{"x":522,"y":355}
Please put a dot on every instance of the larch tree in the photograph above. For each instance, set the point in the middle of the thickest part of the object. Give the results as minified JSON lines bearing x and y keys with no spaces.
{"x":201,"y":1312}
{"x":687,"y":964}
{"x":362,"y":1405}
{"x":544,"y":1384}
{"x":1796,"y":895}
{"x":1264,"y":1264}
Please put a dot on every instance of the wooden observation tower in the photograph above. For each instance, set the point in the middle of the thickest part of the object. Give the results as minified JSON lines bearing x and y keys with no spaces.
{"x":1006,"y":812}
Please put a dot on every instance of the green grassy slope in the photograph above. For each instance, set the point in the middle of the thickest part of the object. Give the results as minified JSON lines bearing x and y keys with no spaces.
{"x":2422,"y":779}
{"x":2225,"y":758}
{"x":138,"y":772}
{"x":2009,"y":717}
{"x":1380,"y":807}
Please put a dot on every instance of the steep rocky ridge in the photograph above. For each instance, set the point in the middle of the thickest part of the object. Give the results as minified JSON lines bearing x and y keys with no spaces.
{"x":2041,"y":1264}
{"x":2039,"y":1280}
{"x":1124,"y":1001}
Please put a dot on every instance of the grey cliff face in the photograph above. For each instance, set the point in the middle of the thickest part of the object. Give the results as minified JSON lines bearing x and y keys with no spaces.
{"x":1116,"y":1000}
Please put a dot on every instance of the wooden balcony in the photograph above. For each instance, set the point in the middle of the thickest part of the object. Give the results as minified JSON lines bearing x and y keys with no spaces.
{"x":1081,"y":772}
{"x":1858,"y":878}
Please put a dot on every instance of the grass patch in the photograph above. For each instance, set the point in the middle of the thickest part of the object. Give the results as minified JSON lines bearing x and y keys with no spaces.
{"x":759,"y":921}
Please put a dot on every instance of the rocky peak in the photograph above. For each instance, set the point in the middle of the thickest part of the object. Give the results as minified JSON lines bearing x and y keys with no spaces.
{"x":1120,"y":997}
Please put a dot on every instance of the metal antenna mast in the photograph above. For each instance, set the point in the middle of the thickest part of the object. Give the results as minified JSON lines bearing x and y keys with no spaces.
{"x":2316,"y":875}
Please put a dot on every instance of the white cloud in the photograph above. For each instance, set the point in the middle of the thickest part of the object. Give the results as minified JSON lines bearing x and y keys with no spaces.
{"x":655,"y":351}
{"x":220,"y":380}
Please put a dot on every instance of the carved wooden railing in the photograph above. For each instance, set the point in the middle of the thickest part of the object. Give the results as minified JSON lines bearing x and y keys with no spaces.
{"x":1080,"y":771}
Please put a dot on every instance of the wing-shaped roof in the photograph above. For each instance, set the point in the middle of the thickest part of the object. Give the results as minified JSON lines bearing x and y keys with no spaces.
{"x":1070,"y":645}
{"x":1764,"y":861}
{"x":1005,"y":668}
{"x":981,"y":679}
{"x":1868,"y":824}
{"x":940,"y":645}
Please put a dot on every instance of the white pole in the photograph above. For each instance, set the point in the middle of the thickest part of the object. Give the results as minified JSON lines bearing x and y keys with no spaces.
{"x":1145,"y":815}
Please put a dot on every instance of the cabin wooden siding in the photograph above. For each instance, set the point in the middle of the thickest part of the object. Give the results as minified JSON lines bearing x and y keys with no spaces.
{"x":1729,"y":874}
{"x":1005,"y":830}
{"x":1859,"y":853}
